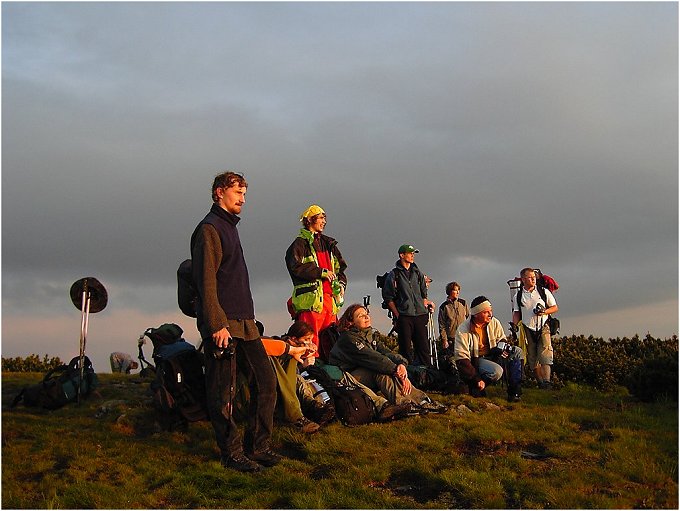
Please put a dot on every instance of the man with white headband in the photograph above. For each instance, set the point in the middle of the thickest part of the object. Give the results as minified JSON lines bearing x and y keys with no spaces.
{"x":481,"y":352}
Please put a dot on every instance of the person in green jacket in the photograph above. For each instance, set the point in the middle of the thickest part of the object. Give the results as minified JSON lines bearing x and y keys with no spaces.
{"x":317,"y":270}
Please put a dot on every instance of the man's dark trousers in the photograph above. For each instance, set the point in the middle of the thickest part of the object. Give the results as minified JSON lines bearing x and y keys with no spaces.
{"x":252,"y":360}
{"x":413,"y":341}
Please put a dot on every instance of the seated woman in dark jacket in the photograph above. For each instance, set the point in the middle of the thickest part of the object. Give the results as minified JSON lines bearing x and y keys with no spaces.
{"x":360,"y":350}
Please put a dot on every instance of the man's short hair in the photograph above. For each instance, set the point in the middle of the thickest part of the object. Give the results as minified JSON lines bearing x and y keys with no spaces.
{"x":227,"y":180}
{"x":450,"y":286}
{"x":526,"y":270}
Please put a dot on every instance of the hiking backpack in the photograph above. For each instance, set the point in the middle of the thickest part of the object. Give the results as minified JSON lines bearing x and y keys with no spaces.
{"x":187,"y":294}
{"x":381,"y":280}
{"x":445,"y":380}
{"x":352,"y":405}
{"x":179,"y":392}
{"x":60,"y":386}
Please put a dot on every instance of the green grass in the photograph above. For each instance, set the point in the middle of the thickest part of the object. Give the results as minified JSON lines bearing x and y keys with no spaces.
{"x":597,"y":451}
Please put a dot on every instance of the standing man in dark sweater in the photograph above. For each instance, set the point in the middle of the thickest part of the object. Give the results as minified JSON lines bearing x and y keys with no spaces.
{"x":226,"y":321}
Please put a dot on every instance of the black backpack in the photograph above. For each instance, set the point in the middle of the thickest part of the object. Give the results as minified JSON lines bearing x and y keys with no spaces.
{"x":380,"y":281}
{"x":187,"y":294}
{"x":352,"y":405}
{"x":179,"y":393}
{"x":445,"y":380}
{"x":60,"y":386}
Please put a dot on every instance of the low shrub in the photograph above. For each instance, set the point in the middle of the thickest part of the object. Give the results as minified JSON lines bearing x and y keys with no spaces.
{"x":631,"y":362}
{"x":30,"y":364}
{"x":656,"y":378}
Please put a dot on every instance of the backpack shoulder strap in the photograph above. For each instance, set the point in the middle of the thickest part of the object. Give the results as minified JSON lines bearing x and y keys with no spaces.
{"x":59,"y":368}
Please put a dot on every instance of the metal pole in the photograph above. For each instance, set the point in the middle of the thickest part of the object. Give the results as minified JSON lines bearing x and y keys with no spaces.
{"x":431,"y":333}
{"x":85,"y":312}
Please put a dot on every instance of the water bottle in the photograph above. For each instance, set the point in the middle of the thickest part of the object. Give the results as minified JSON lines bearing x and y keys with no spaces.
{"x":318,"y":389}
{"x":337,"y":292}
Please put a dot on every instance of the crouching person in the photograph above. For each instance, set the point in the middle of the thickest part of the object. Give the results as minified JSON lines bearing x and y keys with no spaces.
{"x":481,"y":352}
{"x":361,"y":352}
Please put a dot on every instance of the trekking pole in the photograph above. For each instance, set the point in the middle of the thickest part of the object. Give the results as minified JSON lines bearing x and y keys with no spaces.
{"x":431,"y":333}
{"x":85,"y":313}
{"x":88,"y":295}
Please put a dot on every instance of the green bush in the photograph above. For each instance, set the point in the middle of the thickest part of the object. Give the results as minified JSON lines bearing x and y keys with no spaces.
{"x":30,"y":364}
{"x":656,"y":378}
{"x":634,"y":363}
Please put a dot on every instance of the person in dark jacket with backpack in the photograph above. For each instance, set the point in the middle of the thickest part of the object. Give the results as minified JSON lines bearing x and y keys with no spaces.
{"x":360,"y":350}
{"x":405,"y":295}
{"x":226,"y":321}
{"x":531,"y":307}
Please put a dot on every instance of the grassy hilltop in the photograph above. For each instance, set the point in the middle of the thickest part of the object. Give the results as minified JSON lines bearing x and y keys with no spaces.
{"x":575,"y":447}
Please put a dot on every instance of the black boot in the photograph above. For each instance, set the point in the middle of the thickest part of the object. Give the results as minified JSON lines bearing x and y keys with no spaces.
{"x":514,"y":393}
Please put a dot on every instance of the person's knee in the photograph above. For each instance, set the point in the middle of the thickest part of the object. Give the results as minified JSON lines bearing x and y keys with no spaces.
{"x":496,"y":375}
{"x":491,"y":372}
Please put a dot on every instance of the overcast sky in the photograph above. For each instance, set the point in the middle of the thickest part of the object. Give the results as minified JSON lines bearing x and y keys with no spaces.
{"x":491,"y":136}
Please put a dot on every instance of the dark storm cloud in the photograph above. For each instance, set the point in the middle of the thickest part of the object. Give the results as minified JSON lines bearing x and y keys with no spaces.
{"x":491,"y":136}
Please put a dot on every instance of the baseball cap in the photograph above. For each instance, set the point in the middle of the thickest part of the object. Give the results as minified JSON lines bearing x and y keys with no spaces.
{"x":407,"y":249}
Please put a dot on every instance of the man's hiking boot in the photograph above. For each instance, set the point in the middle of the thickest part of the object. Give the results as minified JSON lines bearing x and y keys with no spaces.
{"x":514,"y":393}
{"x":241,"y":463}
{"x":545,"y":385}
{"x":306,"y":426}
{"x":434,"y":407}
{"x":266,"y":458}
{"x":392,"y":412}
{"x":322,"y":414}
{"x":475,"y":392}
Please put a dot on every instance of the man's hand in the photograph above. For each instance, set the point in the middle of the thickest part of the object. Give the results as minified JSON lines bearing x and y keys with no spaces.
{"x":402,"y":372}
{"x":297,"y":352}
{"x":406,"y":386}
{"x":481,"y":385}
{"x":221,"y":338}
{"x":328,"y":275}
{"x":402,"y":376}
{"x":429,"y":304}
{"x":445,"y":344}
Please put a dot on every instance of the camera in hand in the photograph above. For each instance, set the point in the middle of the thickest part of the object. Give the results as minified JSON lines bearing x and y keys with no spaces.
{"x":505,"y":347}
{"x":227,"y":352}
{"x":539,"y":309}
